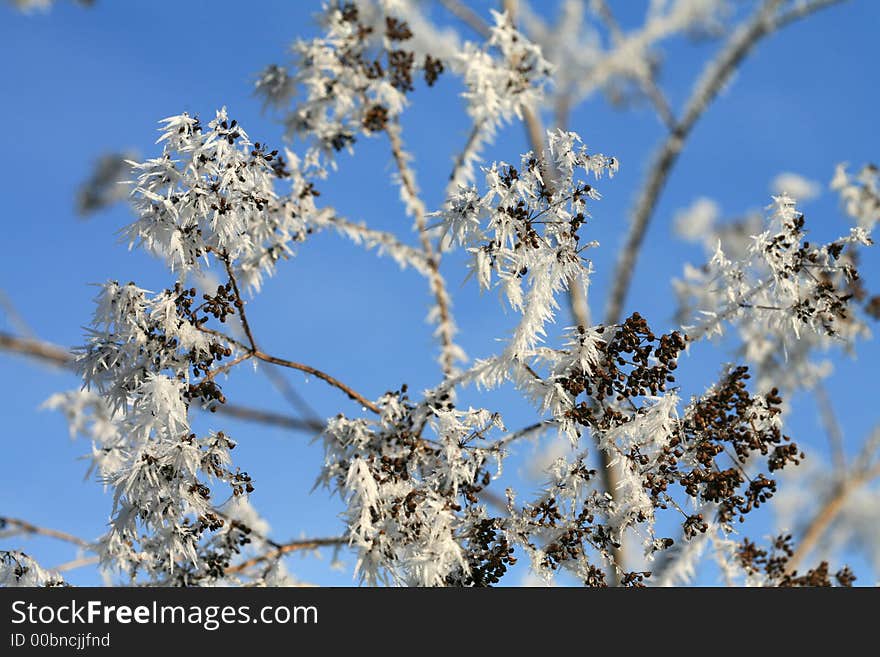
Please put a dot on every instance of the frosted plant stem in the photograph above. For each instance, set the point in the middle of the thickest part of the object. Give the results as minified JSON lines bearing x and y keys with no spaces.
{"x":716,"y":74}
{"x":445,"y":323}
{"x":580,"y":313}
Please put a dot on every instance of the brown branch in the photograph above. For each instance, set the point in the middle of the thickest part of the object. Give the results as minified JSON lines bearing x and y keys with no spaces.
{"x":511,"y":7}
{"x":764,"y":22}
{"x":352,"y":394}
{"x":239,"y":300}
{"x":227,"y":366}
{"x":287,"y":548}
{"x":219,"y":334}
{"x":832,"y":428}
{"x":261,"y":355}
{"x":19,"y":526}
{"x":520,"y":433}
{"x":268,"y":417}
{"x":292,"y":395}
{"x":15,"y":317}
{"x":44,"y":351}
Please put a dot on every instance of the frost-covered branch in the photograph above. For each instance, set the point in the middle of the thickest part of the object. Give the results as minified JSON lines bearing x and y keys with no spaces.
{"x":384,"y":243}
{"x":642,"y":468}
{"x":50,"y":353}
{"x":763,"y":22}
{"x":442,"y":312}
{"x":789,"y":298}
{"x":19,"y":569}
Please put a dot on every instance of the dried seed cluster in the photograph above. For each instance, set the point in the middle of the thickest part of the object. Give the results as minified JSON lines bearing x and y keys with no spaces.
{"x":773,"y":565}
{"x":355,"y":79}
{"x":703,"y":454}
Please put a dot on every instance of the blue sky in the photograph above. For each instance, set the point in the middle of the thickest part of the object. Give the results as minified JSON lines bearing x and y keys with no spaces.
{"x":80,"y":82}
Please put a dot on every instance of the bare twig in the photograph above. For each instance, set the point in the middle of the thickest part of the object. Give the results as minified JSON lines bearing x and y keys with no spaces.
{"x":286,"y":548}
{"x":18,"y":526}
{"x":44,"y":351}
{"x":511,"y":7}
{"x":268,"y":417}
{"x":352,"y":394}
{"x":292,"y":395}
{"x":239,"y":301}
{"x":15,"y":317}
{"x":261,"y":355}
{"x":227,"y":366}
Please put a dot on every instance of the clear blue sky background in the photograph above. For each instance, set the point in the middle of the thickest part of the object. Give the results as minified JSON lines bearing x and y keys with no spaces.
{"x":77,"y":83}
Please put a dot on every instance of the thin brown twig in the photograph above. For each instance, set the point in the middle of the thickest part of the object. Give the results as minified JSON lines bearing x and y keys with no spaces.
{"x":520,"y":433}
{"x":39,"y":349}
{"x":286,"y":548}
{"x":255,"y":352}
{"x":292,"y":395}
{"x":15,"y":317}
{"x":832,"y":428}
{"x":352,"y":394}
{"x":19,"y":526}
{"x":73,"y":564}
{"x":223,"y":336}
{"x":289,"y":393}
{"x":268,"y":417}
{"x":227,"y":366}
{"x":511,"y":7}
{"x":239,"y":300}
